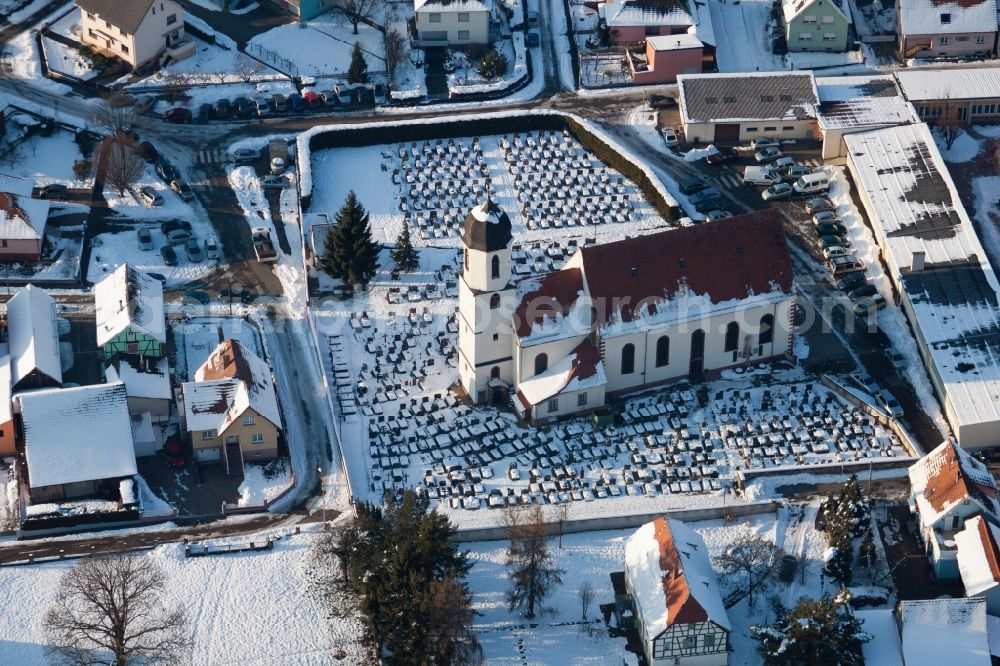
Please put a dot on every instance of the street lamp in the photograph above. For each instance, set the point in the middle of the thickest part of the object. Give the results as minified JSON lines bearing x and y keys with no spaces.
{"x":322,"y":497}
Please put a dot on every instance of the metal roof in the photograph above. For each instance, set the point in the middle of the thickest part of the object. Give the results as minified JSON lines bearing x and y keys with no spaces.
{"x":706,"y":98}
{"x":950,"y":83}
{"x":860,"y":101}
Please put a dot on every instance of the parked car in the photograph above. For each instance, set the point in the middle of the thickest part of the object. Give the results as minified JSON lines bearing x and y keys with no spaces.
{"x":862,"y":291}
{"x":193,"y":250}
{"x":662,"y":102}
{"x":757,"y":175}
{"x":279,"y":102}
{"x":851,"y":281}
{"x":705,"y":195}
{"x":764,"y":142}
{"x":379,"y":92}
{"x":782,"y":163}
{"x":171,"y":225}
{"x":150,"y":197}
{"x":707,"y":205}
{"x":532,"y":19}
{"x":261,"y":105}
{"x":362,"y":95}
{"x":166,"y":171}
{"x":212,"y":250}
{"x":825,"y":217}
{"x":175,"y":460}
{"x":868,"y":304}
{"x":691,"y":185}
{"x":195,"y":295}
{"x":204,"y":113}
{"x":245,"y":155}
{"x":273,"y":181}
{"x":896,"y":360}
{"x":173,"y":446}
{"x":330,"y":97}
{"x":179,"y":236}
{"x":296,"y":104}
{"x":149,"y":152}
{"x":776,"y":192}
{"x":534,"y":39}
{"x":835,"y":251}
{"x":182,"y":189}
{"x":831,"y":229}
{"x":243,"y":107}
{"x":833,"y":241}
{"x":889,"y":403}
{"x":819,"y":205}
{"x":792,"y":173}
{"x":718,"y":214}
{"x":669,"y":137}
{"x":177,"y":115}
{"x":223,"y":109}
{"x":169,"y":256}
{"x":864,"y":382}
{"x":765,"y":155}
{"x":841,"y":266}
{"x":312,"y":99}
{"x":53,"y":191}
{"x":145,"y":238}
{"x":723,"y":156}
{"x":344,"y":93}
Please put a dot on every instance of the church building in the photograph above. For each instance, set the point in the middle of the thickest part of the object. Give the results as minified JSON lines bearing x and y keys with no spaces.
{"x":620,"y":316}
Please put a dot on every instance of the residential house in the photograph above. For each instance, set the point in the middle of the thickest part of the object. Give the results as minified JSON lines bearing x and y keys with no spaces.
{"x":77,"y":443}
{"x":944,"y":631}
{"x":816,"y":25}
{"x":22,"y":220}
{"x":620,"y":316}
{"x":673,"y":37}
{"x":665,"y":57}
{"x":849,"y":104}
{"x":138,"y":32}
{"x":947,"y":487}
{"x":970,"y":94}
{"x":33,"y":340}
{"x":679,"y":611}
{"x":7,"y":435}
{"x":232,"y":408}
{"x":130,"y":318}
{"x":735,"y":108}
{"x":942,"y":276}
{"x":631,"y":21}
{"x":148,"y":392}
{"x":884,"y":649}
{"x":451,"y":22}
{"x":935,"y":29}
{"x":979,"y":561}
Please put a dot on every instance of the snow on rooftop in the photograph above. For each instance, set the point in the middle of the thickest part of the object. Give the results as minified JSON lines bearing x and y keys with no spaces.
{"x":77,"y":434}
{"x":977,"y":555}
{"x":956,"y":83}
{"x":129,"y":298}
{"x":933,"y":17}
{"x":674,"y":42}
{"x":858,"y":101}
{"x":627,"y":13}
{"x":884,"y":648}
{"x":12,"y":184}
{"x":206,"y":403}
{"x":658,"y":593}
{"x":452,"y":5}
{"x":792,"y":8}
{"x":5,"y":386}
{"x":22,"y":218}
{"x":944,"y":631}
{"x":948,"y":476}
{"x":32,"y":334}
{"x":229,"y":382}
{"x":954,"y":297}
{"x":142,"y":384}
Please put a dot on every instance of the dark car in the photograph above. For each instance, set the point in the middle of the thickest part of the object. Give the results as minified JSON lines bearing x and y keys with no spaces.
{"x":205,"y":112}
{"x":833,"y":241}
{"x":223,"y":109}
{"x":173,"y":446}
{"x":279,"y":102}
{"x":709,"y":205}
{"x":178,"y":115}
{"x":705,"y":195}
{"x":692,"y":185}
{"x":169,"y":256}
{"x":851,"y":281}
{"x":786,"y":572}
{"x":166,"y":171}
{"x":175,"y":460}
{"x":195,"y":295}
{"x":149,"y":152}
{"x":53,"y":191}
{"x":174,"y":225}
{"x":831,"y":229}
{"x":296,"y":102}
{"x":662,"y":102}
{"x":862,"y":291}
{"x":724,"y":155}
{"x":243,"y":107}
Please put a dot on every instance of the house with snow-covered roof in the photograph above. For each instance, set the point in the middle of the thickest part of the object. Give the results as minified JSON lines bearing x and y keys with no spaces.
{"x":978,"y":551}
{"x":138,"y":31}
{"x":77,"y":443}
{"x":148,"y":390}
{"x":947,"y":487}
{"x":736,"y":108}
{"x":231,"y":409}
{"x":33,"y":340}
{"x":849,"y":104}
{"x":451,"y":22}
{"x":619,"y":316}
{"x":22,"y":220}
{"x":972,"y":92}
{"x":678,"y":606}
{"x":936,"y":29}
{"x":7,"y":435}
{"x":944,"y":631}
{"x":130,"y":317}
{"x":816,"y":25}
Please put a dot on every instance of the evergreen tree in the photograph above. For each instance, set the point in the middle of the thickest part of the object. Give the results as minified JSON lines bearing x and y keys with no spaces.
{"x":867,"y":552}
{"x":404,"y":256}
{"x":815,"y":633}
{"x":839,"y":565}
{"x":852,"y":509}
{"x":349,"y":253}
{"x":358,"y":71}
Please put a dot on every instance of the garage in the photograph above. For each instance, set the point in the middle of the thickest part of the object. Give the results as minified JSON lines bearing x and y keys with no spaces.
{"x":209,"y":455}
{"x":727,"y":132}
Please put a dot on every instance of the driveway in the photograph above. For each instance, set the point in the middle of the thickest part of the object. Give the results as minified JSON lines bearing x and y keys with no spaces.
{"x":913,"y":575}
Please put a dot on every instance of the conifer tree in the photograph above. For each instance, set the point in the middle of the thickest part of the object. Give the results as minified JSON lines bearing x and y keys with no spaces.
{"x":349,"y":253}
{"x":358,"y":71}
{"x":405,"y":257}
{"x":534,"y":573}
{"x":815,"y":633}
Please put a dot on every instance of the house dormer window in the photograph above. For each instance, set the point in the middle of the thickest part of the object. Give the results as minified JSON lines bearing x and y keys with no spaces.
{"x":945,"y":18}
{"x":248,"y":419}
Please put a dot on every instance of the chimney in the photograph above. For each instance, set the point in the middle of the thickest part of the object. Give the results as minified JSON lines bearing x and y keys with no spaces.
{"x":918,"y":262}
{"x":121,"y":304}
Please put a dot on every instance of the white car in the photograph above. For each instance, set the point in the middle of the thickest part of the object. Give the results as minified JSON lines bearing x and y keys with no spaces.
{"x":837,"y":251}
{"x":775,"y":192}
{"x":212,"y":249}
{"x":826,"y":216}
{"x":272,"y":181}
{"x":764,"y":142}
{"x":150,"y":197}
{"x":768,"y":154}
{"x":669,"y":137}
{"x":245,"y":155}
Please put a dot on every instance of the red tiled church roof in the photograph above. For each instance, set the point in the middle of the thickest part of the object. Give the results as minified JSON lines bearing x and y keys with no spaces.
{"x":555,"y":295}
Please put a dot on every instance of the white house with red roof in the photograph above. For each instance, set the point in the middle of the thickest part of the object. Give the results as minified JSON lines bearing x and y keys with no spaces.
{"x":620,"y":316}
{"x":948,"y":487}
{"x":679,"y":610}
{"x":979,"y":561}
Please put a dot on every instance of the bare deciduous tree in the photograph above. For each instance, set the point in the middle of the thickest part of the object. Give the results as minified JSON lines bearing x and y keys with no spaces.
{"x":586,"y":598}
{"x":247,"y":68}
{"x":562,"y":515}
{"x":749,"y":562}
{"x":123,"y":165}
{"x":112,"y":610}
{"x":116,"y":113}
{"x":357,"y":10}
{"x":533,"y":572}
{"x":395,"y":51}
{"x":948,"y":123}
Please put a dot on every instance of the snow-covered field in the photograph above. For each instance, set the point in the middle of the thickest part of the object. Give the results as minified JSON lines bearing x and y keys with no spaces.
{"x":322,"y":46}
{"x":243,"y":608}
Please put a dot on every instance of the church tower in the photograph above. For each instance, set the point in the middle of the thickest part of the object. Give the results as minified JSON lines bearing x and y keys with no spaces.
{"x":486,"y":303}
